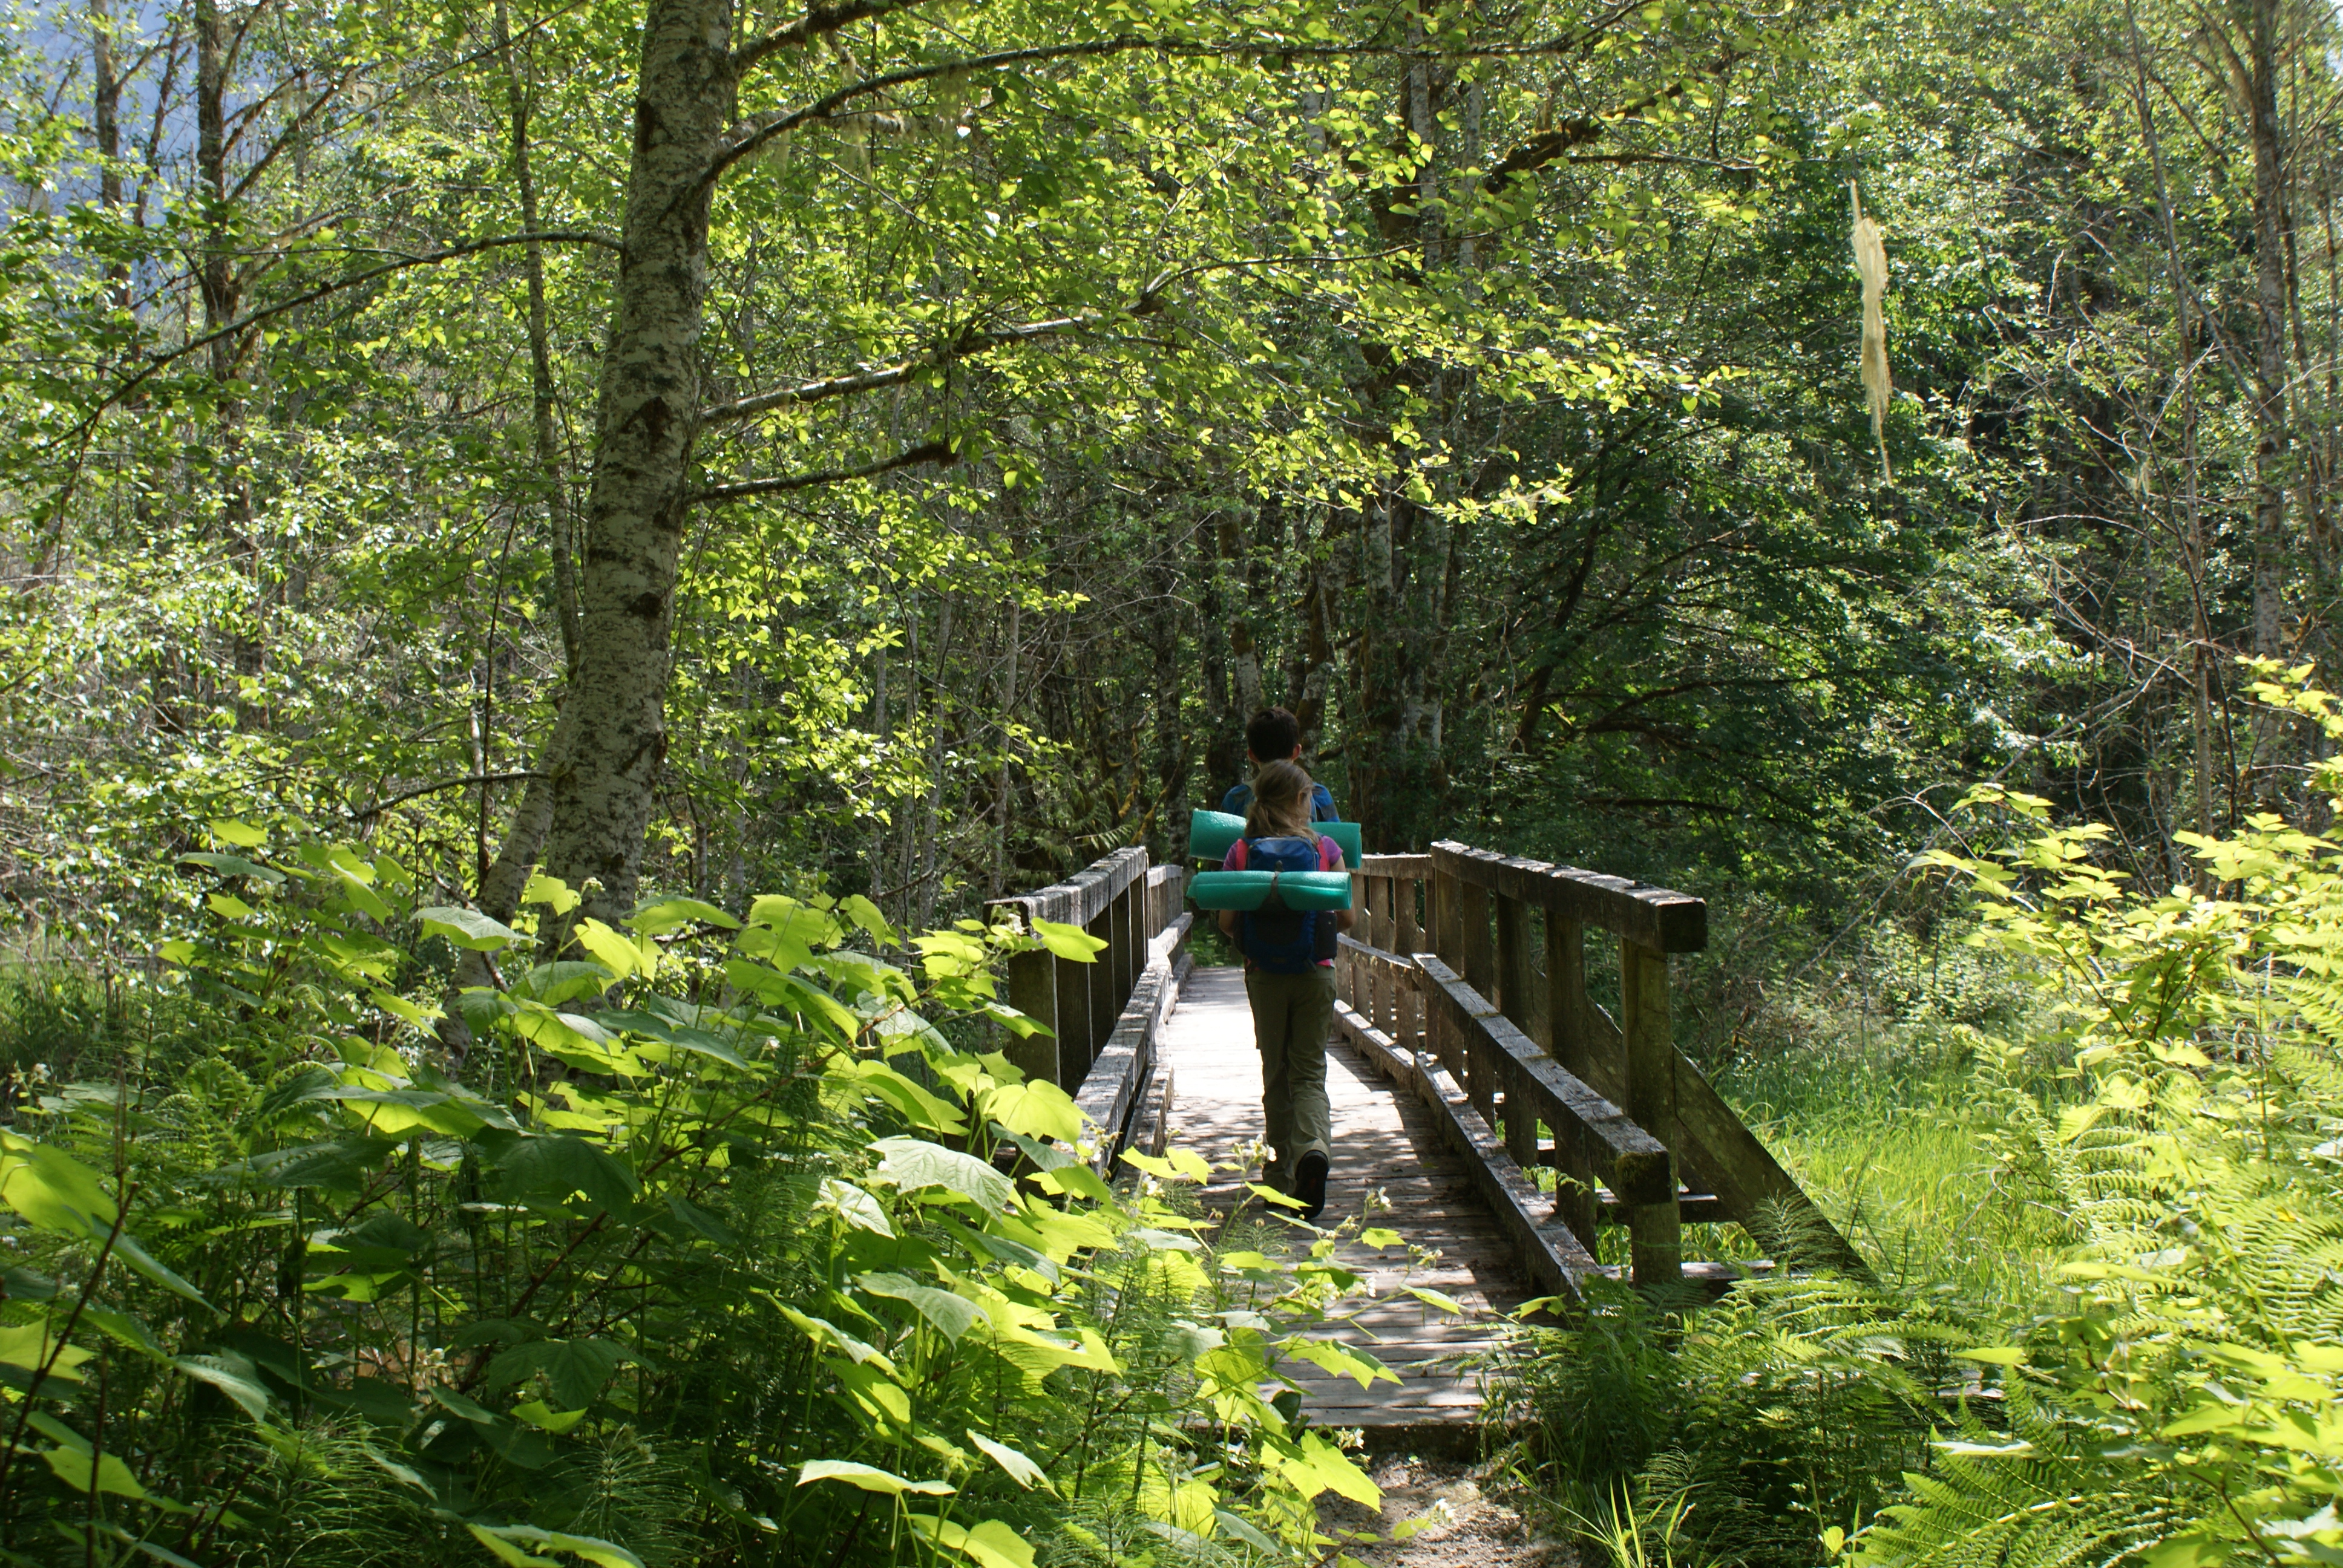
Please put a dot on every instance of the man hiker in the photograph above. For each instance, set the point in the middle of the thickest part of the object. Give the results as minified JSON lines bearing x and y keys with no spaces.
{"x":1275,"y":736}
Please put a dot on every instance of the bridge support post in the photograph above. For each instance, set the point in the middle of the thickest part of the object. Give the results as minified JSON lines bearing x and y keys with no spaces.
{"x":1033,"y":992}
{"x":1075,"y":1041}
{"x":1657,"y":1239}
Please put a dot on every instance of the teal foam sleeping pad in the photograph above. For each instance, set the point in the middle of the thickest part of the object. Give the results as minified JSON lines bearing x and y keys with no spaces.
{"x":1210,"y":834}
{"x":1250,"y":889}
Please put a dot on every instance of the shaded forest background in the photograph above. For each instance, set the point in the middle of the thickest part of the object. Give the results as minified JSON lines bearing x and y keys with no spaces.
{"x":1495,"y":413}
{"x":723,"y":489}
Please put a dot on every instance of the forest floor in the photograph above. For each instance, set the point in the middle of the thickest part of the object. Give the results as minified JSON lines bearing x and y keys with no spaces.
{"x":1472,"y":1526}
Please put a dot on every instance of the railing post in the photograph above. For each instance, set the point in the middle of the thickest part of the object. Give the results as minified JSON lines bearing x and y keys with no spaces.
{"x":1564,"y":1019}
{"x":1033,"y":992}
{"x":1122,"y":951}
{"x":1512,"y":997}
{"x":1656,"y":1241}
{"x":1076,"y":1044}
{"x":1105,"y":1004}
{"x":1475,"y":959}
{"x":1383,"y":932}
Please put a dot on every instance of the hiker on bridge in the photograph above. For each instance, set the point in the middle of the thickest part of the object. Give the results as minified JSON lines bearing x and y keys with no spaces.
{"x":1275,"y":734}
{"x":1289,"y":970}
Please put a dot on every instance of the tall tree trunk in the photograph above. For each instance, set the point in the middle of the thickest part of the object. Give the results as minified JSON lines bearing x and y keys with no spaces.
{"x":517,"y":95}
{"x":648,"y":420}
{"x":1007,"y":712}
{"x":106,"y":116}
{"x":222,"y":292}
{"x":2272,"y":475}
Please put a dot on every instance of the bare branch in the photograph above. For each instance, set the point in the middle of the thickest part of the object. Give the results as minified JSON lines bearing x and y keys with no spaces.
{"x":966,"y":344}
{"x":819,"y":21}
{"x":937,"y":452}
{"x":156,"y":362}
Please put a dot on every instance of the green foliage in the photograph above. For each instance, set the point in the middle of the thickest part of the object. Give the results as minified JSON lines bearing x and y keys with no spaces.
{"x":709,"y":1249}
{"x":2159,"y":1387}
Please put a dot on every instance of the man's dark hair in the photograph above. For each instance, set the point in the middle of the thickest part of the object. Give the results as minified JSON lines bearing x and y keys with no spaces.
{"x":1273,"y":735}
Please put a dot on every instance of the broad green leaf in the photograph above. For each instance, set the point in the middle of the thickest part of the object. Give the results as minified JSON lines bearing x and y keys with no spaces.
{"x":1432,"y":1298}
{"x":1020,"y":1469}
{"x":231,"y":866}
{"x":1037,"y":1110}
{"x":576,"y":1370}
{"x":990,"y":1544}
{"x":29,"y":1345}
{"x":855,"y":1206}
{"x":1340,"y":1359}
{"x":467,"y":928}
{"x":50,"y":1187}
{"x":781,"y":991}
{"x":1379,"y":1238}
{"x":551,"y":892}
{"x":553,"y":1169}
{"x":504,"y":1551}
{"x":1069,"y":942}
{"x":951,"y":1315}
{"x":608,"y":949}
{"x":911,"y":1163}
{"x":243,"y":835}
{"x":658,"y":919}
{"x":865,"y":915}
{"x":507,"y":1540}
{"x":234,"y":1376}
{"x":73,"y":1468}
{"x":1075,"y":1181}
{"x":869,"y":1478}
{"x":822,"y":1331}
{"x":1173,"y":1165}
{"x":545,"y":1418}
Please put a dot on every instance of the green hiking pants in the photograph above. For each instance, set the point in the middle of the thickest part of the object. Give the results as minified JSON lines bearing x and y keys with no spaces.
{"x":1291,"y":1017}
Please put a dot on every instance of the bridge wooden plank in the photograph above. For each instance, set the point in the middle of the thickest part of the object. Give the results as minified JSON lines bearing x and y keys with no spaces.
{"x":1385,"y":1143}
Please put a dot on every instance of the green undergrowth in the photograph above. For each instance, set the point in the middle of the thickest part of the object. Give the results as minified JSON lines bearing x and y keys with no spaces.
{"x":2105,"y":1238}
{"x":729,"y":1240}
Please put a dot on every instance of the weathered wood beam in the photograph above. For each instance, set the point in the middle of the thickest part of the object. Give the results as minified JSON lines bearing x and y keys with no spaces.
{"x":1658,"y":918}
{"x":1079,"y":900}
{"x":1551,"y":1254}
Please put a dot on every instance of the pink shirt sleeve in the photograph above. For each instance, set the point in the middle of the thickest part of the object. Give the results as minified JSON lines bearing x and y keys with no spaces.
{"x":1236,"y":859}
{"x":1329,"y":854}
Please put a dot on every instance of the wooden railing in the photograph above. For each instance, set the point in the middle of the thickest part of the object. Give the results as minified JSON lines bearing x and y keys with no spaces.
{"x":1470,"y":987}
{"x":1103,"y":1016}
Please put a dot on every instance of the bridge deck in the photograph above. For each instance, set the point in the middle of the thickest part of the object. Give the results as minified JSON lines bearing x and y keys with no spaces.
{"x":1387,"y":1144}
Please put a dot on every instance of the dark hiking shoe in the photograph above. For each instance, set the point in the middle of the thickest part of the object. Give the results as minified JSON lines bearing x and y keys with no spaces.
{"x":1310,"y":1184}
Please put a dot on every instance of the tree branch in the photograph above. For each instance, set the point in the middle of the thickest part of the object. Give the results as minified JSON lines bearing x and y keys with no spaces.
{"x":155,"y":363}
{"x":380,"y":806}
{"x":822,"y":109}
{"x":819,"y":21}
{"x":965,"y":345}
{"x":937,"y":452}
{"x":1551,"y":146}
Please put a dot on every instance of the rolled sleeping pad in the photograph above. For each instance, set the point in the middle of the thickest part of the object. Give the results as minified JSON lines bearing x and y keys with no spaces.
{"x":1210,"y":834}
{"x":1250,"y":889}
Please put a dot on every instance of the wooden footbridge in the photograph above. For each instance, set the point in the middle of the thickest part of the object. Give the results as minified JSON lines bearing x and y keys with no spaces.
{"x":1485,"y":1106}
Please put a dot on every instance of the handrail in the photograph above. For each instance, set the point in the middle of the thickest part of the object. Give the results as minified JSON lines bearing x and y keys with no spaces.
{"x":1103,"y":1017}
{"x":1659,"y":919}
{"x":1447,"y":994}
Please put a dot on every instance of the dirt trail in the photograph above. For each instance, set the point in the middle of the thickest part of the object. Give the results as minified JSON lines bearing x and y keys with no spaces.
{"x":1467,"y":1528}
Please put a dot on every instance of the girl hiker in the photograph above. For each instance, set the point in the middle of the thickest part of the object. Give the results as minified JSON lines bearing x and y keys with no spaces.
{"x":1289,"y":981}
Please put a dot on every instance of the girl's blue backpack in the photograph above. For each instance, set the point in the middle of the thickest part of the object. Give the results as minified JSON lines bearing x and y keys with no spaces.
{"x":1278,"y":940}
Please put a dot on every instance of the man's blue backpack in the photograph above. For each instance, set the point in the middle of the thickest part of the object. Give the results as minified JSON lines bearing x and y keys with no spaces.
{"x":1278,"y":940}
